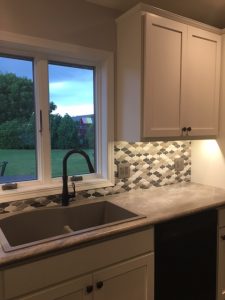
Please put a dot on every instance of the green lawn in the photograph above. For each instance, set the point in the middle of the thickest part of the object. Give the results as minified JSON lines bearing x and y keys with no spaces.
{"x":23,"y":162}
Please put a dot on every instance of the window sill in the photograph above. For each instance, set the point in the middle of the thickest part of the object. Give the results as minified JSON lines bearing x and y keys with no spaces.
{"x":40,"y":190}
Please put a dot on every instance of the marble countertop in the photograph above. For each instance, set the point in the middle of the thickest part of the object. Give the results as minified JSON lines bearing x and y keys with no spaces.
{"x":157,"y":204}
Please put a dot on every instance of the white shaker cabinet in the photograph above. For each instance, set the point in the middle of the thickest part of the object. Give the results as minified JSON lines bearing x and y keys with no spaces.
{"x":131,"y":280}
{"x":113,"y":269}
{"x":168,"y":77}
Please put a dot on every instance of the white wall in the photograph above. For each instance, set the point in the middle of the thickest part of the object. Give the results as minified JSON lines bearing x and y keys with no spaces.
{"x":208,"y":163}
{"x":208,"y":157}
{"x":70,"y":21}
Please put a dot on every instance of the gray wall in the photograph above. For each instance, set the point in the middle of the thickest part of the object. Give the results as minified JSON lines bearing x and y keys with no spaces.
{"x":71,"y":21}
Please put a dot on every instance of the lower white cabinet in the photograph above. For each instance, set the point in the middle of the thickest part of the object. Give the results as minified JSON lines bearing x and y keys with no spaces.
{"x":221,"y":256}
{"x":119,"y":268}
{"x":221,"y":264}
{"x":131,"y":280}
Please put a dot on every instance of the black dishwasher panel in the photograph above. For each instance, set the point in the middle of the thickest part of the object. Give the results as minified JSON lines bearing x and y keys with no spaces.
{"x":185,"y":257}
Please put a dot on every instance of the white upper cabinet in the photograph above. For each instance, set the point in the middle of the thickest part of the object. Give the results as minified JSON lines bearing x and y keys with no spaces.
{"x":168,"y":76}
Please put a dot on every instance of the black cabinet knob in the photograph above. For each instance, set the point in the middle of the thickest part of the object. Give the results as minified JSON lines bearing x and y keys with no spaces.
{"x":99,"y":285}
{"x":189,"y":128}
{"x":184,"y":129}
{"x":89,"y":289}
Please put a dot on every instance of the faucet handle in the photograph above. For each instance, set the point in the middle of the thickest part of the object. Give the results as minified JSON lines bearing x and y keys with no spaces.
{"x":73,"y":194}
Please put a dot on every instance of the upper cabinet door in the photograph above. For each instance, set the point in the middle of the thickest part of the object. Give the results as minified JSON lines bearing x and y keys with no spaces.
{"x":165,"y":43}
{"x":200,"y":108}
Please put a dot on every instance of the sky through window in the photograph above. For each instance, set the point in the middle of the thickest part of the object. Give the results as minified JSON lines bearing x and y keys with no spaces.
{"x":71,"y":88}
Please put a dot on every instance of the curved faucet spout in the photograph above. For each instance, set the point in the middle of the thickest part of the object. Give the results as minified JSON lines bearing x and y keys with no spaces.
{"x":65,"y":194}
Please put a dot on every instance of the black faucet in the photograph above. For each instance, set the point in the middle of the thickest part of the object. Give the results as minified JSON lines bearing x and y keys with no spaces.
{"x":65,"y":194}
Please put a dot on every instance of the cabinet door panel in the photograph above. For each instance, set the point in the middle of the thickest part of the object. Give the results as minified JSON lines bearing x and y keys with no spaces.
{"x":71,"y":290}
{"x":131,"y":280}
{"x":200,"y":108}
{"x":164,"y":59}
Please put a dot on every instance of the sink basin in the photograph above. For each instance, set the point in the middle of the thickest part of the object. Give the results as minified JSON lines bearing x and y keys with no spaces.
{"x":30,"y":228}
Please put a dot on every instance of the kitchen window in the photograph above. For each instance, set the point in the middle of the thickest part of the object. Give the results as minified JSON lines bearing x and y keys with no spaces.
{"x":67,"y":94}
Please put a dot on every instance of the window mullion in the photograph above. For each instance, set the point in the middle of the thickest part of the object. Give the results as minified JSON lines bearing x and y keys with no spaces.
{"x":42,"y":112}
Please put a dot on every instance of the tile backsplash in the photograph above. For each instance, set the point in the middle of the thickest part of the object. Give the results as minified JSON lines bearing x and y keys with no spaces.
{"x":151,"y":164}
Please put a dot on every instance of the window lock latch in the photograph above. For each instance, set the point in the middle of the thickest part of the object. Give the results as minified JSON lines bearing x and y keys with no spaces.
{"x":76,"y":178}
{"x":9,"y":186}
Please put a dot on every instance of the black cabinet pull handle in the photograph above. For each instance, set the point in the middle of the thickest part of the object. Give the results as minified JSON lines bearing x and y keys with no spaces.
{"x":184,"y":129}
{"x":99,"y":285}
{"x":89,"y":289}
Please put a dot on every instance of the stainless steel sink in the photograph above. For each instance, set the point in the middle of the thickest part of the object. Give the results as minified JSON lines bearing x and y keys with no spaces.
{"x":42,"y":225}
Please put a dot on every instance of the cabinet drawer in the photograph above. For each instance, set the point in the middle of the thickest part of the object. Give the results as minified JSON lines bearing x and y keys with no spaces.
{"x":48,"y":271}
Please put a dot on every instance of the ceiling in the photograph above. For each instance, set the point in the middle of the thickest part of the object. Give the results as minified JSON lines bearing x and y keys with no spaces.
{"x":211,"y":12}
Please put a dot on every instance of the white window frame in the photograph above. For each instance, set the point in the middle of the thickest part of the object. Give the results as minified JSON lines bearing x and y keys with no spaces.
{"x":43,"y":51}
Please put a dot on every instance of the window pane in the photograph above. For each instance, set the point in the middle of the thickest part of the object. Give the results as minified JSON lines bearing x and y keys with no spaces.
{"x":72,"y":116}
{"x":17,"y":120}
